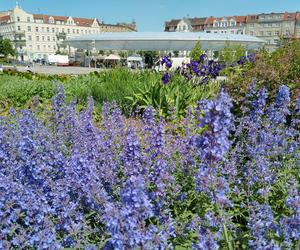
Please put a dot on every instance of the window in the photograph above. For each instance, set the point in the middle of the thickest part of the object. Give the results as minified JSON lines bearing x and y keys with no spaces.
{"x":43,"y":29}
{"x":287,"y":32}
{"x":48,"y":30}
{"x":54,"y":47}
{"x":49,"y":47}
{"x":261,"y":33}
{"x":53,"y":39}
{"x":269,"y":24}
{"x":30,"y":38}
{"x":232,"y":31}
{"x":269,"y":33}
{"x":276,"y":33}
{"x":73,"y":31}
{"x":51,"y":19}
{"x":28,"y":19}
{"x":53,"y":30}
{"x":37,"y":29}
{"x":37,"y":38}
{"x":68,"y":31}
{"x":276,"y":41}
{"x":19,"y":28}
{"x":48,"y":38}
{"x":252,"y":17}
{"x":38,"y":47}
{"x":29,"y":28}
{"x":44,"y":46}
{"x":277,"y":24}
{"x":77,"y":31}
{"x":251,"y":33}
{"x":288,"y":25}
{"x":43,"y":38}
{"x":262,"y":17}
{"x":216,"y":24}
{"x":18,"y":19}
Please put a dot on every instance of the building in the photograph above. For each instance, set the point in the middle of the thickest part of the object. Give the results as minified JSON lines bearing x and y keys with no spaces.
{"x":37,"y":35}
{"x":185,"y":25}
{"x":226,"y":25}
{"x":271,"y":27}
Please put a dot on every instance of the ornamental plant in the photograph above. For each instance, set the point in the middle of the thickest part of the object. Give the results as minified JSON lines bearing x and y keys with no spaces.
{"x":215,"y":180}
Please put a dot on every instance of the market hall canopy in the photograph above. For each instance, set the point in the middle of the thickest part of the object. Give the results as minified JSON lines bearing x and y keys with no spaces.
{"x":161,"y":41}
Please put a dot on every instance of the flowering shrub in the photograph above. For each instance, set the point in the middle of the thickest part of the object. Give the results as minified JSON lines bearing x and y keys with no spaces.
{"x":213,"y":181}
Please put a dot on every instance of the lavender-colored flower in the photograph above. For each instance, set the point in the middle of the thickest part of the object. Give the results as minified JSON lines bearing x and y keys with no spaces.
{"x":166,"y":78}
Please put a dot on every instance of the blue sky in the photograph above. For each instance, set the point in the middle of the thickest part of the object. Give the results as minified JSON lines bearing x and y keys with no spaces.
{"x":150,"y":15}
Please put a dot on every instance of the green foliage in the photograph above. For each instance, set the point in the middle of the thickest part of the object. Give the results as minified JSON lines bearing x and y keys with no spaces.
{"x":129,"y":89}
{"x":270,"y":70}
{"x":230,"y":54}
{"x":173,"y":98}
{"x":6,"y":48}
{"x":196,"y":52}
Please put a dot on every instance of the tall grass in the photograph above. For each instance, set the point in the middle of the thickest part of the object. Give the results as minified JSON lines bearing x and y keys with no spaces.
{"x":112,"y":85}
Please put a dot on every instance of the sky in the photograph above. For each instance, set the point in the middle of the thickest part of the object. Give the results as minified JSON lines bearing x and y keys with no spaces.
{"x":150,"y":15}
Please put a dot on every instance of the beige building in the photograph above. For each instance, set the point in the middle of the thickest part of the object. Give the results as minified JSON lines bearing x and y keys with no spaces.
{"x":37,"y":36}
{"x":271,"y":27}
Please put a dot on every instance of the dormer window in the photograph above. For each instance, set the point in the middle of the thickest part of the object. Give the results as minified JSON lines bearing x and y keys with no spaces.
{"x":216,"y":24}
{"x":51,"y":19}
{"x":232,"y":22}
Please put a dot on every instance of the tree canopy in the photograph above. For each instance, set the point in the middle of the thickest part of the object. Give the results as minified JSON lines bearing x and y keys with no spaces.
{"x":6,"y":48}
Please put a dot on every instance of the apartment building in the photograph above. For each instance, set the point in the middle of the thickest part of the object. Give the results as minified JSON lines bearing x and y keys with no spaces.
{"x":223,"y":25}
{"x":270,"y":27}
{"x":185,"y":25}
{"x":37,"y":35}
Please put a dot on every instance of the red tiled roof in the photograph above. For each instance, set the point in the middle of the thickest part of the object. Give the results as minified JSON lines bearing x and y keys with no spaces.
{"x":172,"y":23}
{"x":5,"y":19}
{"x":239,"y":19}
{"x":194,"y":21}
{"x":77,"y":20}
{"x":287,"y":16}
{"x":249,"y":18}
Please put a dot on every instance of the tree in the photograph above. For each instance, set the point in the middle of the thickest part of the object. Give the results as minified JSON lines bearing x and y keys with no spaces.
{"x":196,"y":52}
{"x":6,"y":48}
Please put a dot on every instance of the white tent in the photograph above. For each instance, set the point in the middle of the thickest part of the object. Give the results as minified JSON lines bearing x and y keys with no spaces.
{"x":135,"y":58}
{"x":112,"y":57}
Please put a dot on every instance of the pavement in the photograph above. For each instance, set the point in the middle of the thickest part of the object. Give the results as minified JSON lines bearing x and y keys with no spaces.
{"x":56,"y":70}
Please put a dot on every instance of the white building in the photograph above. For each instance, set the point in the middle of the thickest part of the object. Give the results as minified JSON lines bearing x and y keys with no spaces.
{"x":37,"y":36}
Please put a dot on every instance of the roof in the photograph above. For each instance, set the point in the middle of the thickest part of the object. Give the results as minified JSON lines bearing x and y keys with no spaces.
{"x":78,"y":21}
{"x":161,"y":41}
{"x":4,"y":19}
{"x":288,"y":16}
{"x":194,"y":21}
{"x":239,"y":19}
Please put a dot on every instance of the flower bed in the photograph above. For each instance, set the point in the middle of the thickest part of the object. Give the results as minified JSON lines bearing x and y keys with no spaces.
{"x":212,"y":180}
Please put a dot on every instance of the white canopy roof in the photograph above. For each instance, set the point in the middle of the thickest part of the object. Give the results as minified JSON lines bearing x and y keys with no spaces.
{"x":112,"y":57}
{"x":134,"y":58}
{"x":162,"y":41}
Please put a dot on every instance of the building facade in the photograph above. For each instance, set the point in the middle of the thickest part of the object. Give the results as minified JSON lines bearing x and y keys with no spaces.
{"x":35,"y":36}
{"x":185,"y":25}
{"x":271,"y":27}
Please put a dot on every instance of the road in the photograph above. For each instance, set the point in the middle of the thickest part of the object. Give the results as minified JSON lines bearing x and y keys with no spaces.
{"x":54,"y":70}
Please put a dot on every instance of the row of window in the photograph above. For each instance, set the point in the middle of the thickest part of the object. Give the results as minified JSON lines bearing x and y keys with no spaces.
{"x":53,"y":30}
{"x":225,"y":24}
{"x":43,"y":38}
{"x":42,"y":47}
{"x":270,"y":33}
{"x":51,"y":20}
